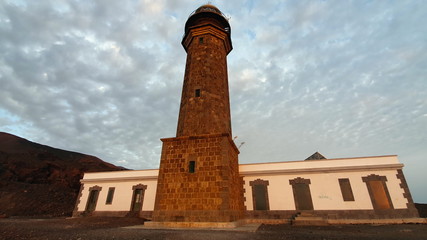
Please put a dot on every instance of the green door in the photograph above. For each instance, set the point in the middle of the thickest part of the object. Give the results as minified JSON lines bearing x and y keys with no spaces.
{"x":302,"y":196}
{"x":260,"y":197}
{"x":92,"y":200}
{"x":138,"y":195}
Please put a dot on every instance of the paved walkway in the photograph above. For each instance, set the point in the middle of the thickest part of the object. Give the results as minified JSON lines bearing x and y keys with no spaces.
{"x":252,"y":227}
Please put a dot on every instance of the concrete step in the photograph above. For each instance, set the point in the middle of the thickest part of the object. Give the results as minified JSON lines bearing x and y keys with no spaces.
{"x":310,"y":222}
{"x":308,"y":219}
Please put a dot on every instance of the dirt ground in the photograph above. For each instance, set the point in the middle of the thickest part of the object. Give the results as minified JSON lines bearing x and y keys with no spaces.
{"x":111,"y":228}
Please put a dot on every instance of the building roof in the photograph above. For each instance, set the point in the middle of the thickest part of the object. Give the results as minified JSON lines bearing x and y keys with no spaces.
{"x":315,"y":156}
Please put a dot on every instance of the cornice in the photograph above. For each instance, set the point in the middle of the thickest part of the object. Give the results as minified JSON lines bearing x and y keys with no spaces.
{"x":322,"y":169}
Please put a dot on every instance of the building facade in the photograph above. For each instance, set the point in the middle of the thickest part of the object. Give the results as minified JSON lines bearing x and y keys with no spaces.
{"x":346,"y":188}
{"x":200,"y":180}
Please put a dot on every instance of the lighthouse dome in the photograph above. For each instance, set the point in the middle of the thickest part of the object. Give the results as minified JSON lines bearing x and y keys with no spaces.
{"x":208,"y":8}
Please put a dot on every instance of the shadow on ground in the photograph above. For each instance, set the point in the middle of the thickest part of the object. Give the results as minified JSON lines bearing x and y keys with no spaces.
{"x":112,"y":228}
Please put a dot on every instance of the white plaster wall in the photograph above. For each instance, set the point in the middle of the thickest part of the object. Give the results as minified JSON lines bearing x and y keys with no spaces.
{"x":312,"y":165}
{"x":323,"y":174}
{"x":150,"y":173}
{"x":325,"y":190}
{"x":122,"y":195}
{"x":396,"y":192}
{"x":82,"y":201}
{"x":280,"y":193}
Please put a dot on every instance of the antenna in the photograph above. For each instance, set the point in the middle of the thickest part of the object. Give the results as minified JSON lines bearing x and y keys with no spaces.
{"x":241,"y":144}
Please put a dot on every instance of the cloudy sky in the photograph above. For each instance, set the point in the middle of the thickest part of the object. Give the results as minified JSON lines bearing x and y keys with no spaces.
{"x":345,"y":78}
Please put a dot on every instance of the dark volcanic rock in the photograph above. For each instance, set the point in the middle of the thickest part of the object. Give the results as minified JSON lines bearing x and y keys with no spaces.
{"x":40,"y":180}
{"x":422,"y":209}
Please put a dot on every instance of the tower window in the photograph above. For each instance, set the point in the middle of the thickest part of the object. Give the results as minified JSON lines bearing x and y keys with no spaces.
{"x":197,"y":93}
{"x":192,"y":166}
{"x":201,"y":40}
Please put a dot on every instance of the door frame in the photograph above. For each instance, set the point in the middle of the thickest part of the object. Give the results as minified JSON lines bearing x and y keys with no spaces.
{"x":141,"y":187}
{"x":92,"y":190}
{"x":264,"y":184}
{"x":306,"y":182}
{"x":383,"y":180}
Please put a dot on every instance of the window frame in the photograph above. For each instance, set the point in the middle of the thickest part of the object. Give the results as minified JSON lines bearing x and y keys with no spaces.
{"x":346,"y":190}
{"x":192,"y":166}
{"x":110,"y":196}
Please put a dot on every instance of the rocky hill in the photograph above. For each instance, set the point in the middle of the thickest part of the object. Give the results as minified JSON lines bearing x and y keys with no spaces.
{"x":40,"y":180}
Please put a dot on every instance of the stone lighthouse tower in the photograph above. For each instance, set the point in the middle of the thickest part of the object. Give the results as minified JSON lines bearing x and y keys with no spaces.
{"x":198,"y":176}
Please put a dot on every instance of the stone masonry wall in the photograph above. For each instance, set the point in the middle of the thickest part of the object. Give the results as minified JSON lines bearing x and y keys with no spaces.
{"x":206,"y":70}
{"x":213,"y":193}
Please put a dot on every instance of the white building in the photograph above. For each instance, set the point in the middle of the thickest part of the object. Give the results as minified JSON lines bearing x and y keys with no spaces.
{"x":343,"y":188}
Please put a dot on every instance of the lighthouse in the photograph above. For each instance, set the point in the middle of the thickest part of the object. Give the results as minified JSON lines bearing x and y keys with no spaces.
{"x":199,"y":179}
